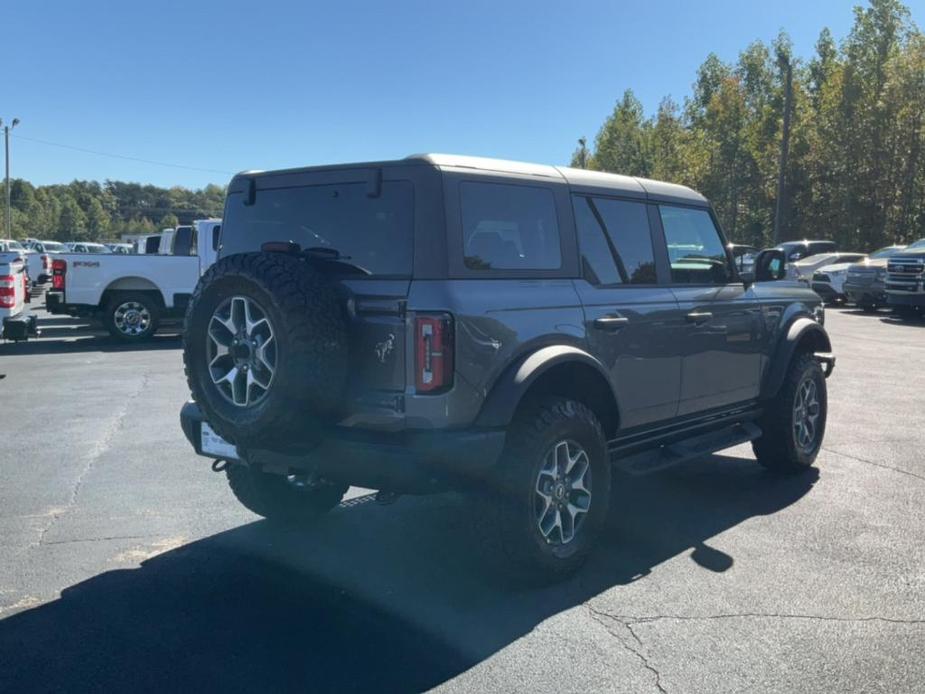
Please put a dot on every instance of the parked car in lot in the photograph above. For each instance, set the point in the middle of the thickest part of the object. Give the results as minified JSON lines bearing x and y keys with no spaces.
{"x":829,"y":281}
{"x":797,"y":250}
{"x":39,"y":260}
{"x":131,"y":294}
{"x":86,"y":247}
{"x":501,"y":328}
{"x":802,"y":270}
{"x":15,"y":322}
{"x":122,"y":248}
{"x":865,"y":281}
{"x":905,"y":281}
{"x":743,"y":256}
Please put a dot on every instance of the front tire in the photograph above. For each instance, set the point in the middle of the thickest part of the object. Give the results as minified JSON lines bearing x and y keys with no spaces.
{"x":132,"y":316}
{"x":793,"y":425}
{"x":554,"y":491}
{"x":280,"y":498}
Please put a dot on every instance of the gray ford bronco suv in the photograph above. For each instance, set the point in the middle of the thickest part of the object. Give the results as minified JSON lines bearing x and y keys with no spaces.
{"x":511,"y":330}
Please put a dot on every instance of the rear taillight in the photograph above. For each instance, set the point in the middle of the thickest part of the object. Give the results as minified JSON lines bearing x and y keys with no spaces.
{"x":46,"y":262}
{"x":7,"y":291}
{"x":433,"y":353}
{"x":58,"y":271}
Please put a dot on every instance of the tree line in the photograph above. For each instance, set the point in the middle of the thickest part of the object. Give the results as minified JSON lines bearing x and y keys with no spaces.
{"x":829,"y":147}
{"x":93,"y":211}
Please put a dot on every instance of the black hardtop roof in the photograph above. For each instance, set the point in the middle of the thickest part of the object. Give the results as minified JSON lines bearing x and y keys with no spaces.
{"x":579,"y":179}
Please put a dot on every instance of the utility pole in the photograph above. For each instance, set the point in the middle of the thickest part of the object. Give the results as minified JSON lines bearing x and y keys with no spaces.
{"x":582,"y":153}
{"x":780,"y":207}
{"x":6,"y":142}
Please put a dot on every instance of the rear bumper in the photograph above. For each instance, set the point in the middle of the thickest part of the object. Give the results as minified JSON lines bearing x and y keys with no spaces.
{"x":54,"y":304}
{"x":897,"y":299}
{"x":826,"y":291}
{"x":413,"y":462}
{"x":869,"y":293}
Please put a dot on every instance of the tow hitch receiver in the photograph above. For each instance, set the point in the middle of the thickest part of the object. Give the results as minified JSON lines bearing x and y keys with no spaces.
{"x":827,"y":361}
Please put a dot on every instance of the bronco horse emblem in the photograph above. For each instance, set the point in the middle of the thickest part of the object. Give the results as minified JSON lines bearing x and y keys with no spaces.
{"x":384,"y":348}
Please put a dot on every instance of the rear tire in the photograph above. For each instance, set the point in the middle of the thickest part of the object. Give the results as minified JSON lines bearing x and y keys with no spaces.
{"x":555,"y":453}
{"x":279,"y":499}
{"x":132,"y":317}
{"x":786,"y":444}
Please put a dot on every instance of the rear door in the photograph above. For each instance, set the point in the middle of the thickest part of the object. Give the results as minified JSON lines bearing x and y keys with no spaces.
{"x":721,"y":333}
{"x":628,"y":316}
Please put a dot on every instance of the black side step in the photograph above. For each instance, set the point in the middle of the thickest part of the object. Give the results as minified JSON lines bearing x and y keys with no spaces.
{"x":690,"y":449}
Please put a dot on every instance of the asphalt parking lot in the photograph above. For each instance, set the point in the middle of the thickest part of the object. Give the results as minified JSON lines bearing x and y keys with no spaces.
{"x":126,"y":563}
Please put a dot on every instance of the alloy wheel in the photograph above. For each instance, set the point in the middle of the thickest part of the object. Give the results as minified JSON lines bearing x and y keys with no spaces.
{"x":806,"y":411}
{"x":241,"y":349}
{"x":563,"y":492}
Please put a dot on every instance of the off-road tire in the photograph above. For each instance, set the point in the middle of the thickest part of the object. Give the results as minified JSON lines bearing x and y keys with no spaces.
{"x":868,"y":308}
{"x":310,"y":329}
{"x":508,"y":523}
{"x":118,"y":299}
{"x":777,"y":448}
{"x":278,"y":500}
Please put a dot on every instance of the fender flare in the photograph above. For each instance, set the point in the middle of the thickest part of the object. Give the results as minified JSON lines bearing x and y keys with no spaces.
{"x":797,"y":331}
{"x":509,"y":389}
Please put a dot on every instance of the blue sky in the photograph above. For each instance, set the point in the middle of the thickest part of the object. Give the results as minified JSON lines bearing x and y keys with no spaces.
{"x":226,"y":86}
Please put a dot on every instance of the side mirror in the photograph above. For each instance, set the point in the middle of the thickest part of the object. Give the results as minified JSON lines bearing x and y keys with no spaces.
{"x":770,"y":266}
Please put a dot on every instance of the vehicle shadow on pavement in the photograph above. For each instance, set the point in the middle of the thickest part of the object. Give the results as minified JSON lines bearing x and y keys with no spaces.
{"x":395,"y":598}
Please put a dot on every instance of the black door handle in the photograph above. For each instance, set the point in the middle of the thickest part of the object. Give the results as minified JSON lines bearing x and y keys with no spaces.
{"x":698,"y":317}
{"x":612,"y":323}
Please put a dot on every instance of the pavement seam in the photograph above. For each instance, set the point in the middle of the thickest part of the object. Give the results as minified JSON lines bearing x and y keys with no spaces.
{"x":875,"y":464}
{"x":602,"y":618}
{"x":103,"y":445}
{"x":643,"y":619}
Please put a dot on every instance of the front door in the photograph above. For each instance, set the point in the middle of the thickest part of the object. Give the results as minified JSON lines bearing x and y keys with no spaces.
{"x":628,"y":318}
{"x":719,"y":322}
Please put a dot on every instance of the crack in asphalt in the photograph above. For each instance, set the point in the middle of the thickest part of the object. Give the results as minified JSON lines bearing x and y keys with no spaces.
{"x":102,"y":445}
{"x":602,"y":618}
{"x":99,"y":539}
{"x":628,"y":620}
{"x":875,"y":464}
{"x":607,"y":620}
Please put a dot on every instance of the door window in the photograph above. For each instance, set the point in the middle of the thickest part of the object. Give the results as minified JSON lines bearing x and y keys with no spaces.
{"x":616,"y":245}
{"x":695,"y":248}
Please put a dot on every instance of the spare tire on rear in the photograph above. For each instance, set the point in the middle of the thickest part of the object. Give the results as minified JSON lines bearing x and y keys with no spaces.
{"x":265,"y":348}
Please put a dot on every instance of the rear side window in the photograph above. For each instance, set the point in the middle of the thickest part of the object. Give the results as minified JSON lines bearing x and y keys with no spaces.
{"x":509,"y":227}
{"x":695,"y":248}
{"x":615,"y":241}
{"x":376,"y":233}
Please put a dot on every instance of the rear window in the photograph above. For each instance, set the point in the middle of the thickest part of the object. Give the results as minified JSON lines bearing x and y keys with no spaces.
{"x":374,"y":233}
{"x":509,"y":227}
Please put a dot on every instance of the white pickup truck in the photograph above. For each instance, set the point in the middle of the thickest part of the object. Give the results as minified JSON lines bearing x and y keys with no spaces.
{"x":132,"y":294}
{"x":15,"y":322}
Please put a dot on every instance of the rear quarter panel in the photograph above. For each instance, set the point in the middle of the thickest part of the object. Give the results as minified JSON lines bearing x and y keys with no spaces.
{"x":490,"y":335}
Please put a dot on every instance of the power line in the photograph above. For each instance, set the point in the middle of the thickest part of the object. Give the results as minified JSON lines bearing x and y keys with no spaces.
{"x":120,"y":156}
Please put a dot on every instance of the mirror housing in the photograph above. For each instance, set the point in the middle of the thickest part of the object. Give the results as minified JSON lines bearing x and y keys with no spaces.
{"x":770,"y":266}
{"x":748,"y":278}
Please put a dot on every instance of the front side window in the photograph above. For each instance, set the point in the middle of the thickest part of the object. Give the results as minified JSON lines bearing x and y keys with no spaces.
{"x":509,"y":227}
{"x":616,"y":246}
{"x":695,"y":249}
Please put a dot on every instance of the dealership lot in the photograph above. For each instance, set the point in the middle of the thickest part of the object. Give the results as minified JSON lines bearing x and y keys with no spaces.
{"x":125,"y":562}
